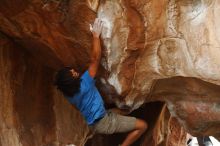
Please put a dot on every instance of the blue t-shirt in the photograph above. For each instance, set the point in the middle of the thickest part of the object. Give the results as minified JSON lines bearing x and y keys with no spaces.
{"x":88,"y":100}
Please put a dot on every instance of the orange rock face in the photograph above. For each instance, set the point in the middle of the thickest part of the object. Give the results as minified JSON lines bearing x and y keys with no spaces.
{"x":165,"y":39}
{"x":153,"y":50}
{"x":32,"y":113}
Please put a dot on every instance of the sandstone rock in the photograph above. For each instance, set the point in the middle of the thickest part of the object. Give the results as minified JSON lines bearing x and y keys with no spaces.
{"x":167,"y":39}
{"x":146,"y":45}
{"x":166,"y":131}
{"x":171,"y":38}
{"x":31,"y":112}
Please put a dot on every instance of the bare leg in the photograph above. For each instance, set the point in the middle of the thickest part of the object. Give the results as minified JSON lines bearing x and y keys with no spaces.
{"x":140,"y":128}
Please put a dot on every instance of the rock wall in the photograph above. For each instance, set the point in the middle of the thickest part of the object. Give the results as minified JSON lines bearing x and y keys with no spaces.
{"x":153,"y":50}
{"x":32,"y":113}
{"x":166,"y":131}
{"x":157,"y":39}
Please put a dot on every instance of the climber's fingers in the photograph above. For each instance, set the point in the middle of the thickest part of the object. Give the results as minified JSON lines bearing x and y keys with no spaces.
{"x":96,"y":28}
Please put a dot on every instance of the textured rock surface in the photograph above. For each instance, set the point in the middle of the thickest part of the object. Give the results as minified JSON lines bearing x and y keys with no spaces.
{"x":166,"y":131}
{"x":31,"y":112}
{"x":166,"y":39}
{"x":195,"y":103}
{"x":146,"y":43}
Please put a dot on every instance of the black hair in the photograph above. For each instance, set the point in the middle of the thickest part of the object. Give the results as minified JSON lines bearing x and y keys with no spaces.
{"x":66,"y":83}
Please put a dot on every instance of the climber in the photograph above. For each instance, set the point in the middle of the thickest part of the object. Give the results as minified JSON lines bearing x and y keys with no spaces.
{"x":80,"y":90}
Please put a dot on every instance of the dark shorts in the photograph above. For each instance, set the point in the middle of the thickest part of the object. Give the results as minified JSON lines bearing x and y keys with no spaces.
{"x":114,"y":123}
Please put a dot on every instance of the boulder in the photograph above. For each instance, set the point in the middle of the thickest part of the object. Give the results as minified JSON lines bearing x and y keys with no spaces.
{"x":152,"y":51}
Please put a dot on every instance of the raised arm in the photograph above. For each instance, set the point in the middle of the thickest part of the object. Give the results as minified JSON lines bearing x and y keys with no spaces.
{"x":96,"y":47}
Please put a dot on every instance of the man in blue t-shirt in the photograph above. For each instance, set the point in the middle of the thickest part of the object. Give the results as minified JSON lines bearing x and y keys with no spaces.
{"x":82,"y":92}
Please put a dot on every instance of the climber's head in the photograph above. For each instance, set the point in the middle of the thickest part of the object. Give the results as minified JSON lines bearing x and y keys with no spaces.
{"x":68,"y":81}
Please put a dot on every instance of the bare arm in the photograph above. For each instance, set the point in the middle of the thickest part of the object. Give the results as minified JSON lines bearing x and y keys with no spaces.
{"x":96,"y":48}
